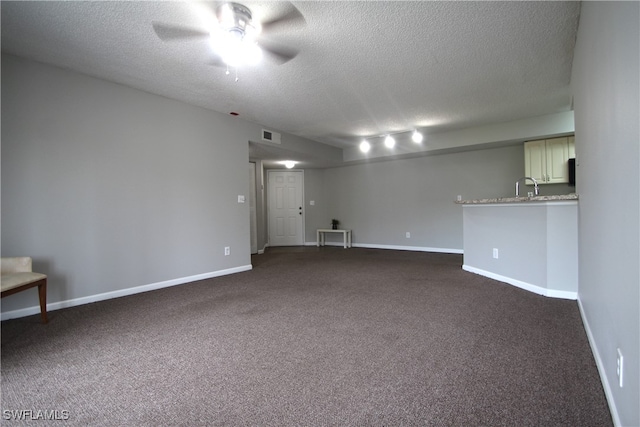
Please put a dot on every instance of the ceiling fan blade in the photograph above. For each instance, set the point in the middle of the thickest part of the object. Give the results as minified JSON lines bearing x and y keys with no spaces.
{"x":291,"y":17}
{"x":279,"y":53}
{"x":168,"y":32}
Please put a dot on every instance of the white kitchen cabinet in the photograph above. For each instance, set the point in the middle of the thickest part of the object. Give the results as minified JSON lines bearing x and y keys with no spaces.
{"x":547,"y":160}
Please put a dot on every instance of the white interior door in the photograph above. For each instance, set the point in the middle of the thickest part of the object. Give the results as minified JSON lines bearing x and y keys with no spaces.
{"x":286,"y":216}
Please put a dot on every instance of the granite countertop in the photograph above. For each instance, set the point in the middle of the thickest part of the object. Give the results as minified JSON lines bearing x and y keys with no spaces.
{"x":519,"y":199}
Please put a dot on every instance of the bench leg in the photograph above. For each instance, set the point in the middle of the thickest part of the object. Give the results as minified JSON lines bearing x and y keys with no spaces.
{"x":42,"y":293}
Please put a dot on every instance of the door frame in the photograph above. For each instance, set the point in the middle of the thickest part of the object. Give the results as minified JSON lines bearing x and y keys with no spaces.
{"x":253,"y":206}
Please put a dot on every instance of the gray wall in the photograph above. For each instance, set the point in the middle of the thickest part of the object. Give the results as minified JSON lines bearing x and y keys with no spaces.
{"x":109,"y":188}
{"x":382,"y":201}
{"x":537,"y":244}
{"x":518,"y":231}
{"x":316,"y":215}
{"x":606,"y":101}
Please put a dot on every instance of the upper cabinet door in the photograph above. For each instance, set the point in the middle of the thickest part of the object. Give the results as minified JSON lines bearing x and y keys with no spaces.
{"x":557,"y":160}
{"x":572,"y":146}
{"x":535,"y":160}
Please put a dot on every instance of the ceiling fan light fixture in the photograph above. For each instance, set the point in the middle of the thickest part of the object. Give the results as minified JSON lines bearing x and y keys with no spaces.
{"x":252,"y":31}
{"x":234,"y":16}
{"x":224,"y":14}
{"x":235,"y":51}
{"x":252,"y":54}
{"x":232,"y":57}
{"x":235,"y":38}
{"x":233,"y":29}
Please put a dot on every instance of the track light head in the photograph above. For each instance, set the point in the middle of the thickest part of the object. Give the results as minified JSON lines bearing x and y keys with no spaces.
{"x":416,"y":137}
{"x":389,"y":142}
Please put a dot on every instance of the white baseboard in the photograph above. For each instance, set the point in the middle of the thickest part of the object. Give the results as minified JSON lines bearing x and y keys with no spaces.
{"x":120,"y":293}
{"x":554,"y":293}
{"x":408,"y":248}
{"x":340,"y":244}
{"x":393,"y":247}
{"x":600,"y":365}
{"x":551,"y":293}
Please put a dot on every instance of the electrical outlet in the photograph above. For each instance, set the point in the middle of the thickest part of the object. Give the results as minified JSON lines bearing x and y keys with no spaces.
{"x":495,"y":253}
{"x":459,"y":198}
{"x":620,"y":367}
{"x":227,"y":250}
{"x":408,"y":235}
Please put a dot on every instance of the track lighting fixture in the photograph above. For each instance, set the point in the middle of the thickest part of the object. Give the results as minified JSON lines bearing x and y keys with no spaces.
{"x":389,"y":140}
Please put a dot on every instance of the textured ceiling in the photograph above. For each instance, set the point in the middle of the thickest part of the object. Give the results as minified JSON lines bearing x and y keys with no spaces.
{"x":365,"y":68}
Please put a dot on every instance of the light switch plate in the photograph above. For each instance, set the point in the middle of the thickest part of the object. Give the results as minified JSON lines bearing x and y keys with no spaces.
{"x":240,"y":198}
{"x":620,"y":368}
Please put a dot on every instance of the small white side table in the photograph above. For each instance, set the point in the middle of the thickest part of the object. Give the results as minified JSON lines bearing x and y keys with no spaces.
{"x":320,"y":235}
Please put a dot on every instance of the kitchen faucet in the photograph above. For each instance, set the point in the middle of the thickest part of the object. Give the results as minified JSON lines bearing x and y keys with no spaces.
{"x":535,"y":185}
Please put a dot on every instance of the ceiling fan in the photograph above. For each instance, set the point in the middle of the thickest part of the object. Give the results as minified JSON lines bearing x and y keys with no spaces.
{"x":236,"y":38}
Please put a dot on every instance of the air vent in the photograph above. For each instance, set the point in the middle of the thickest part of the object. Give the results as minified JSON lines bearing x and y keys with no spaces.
{"x":270,"y":136}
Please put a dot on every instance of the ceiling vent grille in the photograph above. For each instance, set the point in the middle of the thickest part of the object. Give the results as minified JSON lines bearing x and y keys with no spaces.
{"x":270,"y":136}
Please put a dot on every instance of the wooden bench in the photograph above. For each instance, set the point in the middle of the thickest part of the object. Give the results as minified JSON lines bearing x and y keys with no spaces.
{"x":16,"y":276}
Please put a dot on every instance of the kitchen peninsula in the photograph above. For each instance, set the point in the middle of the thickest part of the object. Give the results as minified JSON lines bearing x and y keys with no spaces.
{"x":528,"y":242}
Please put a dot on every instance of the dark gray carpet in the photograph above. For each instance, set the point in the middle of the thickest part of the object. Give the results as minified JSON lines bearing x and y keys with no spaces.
{"x":312,"y":337}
